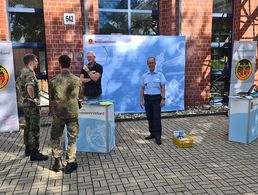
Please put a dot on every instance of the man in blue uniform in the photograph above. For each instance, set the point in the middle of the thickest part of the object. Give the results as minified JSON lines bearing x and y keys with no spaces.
{"x":152,"y":96}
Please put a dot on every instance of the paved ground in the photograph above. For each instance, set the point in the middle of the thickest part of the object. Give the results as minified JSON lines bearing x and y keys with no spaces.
{"x":136,"y":166}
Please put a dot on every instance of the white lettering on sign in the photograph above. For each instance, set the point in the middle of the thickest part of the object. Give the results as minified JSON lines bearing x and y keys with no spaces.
{"x":69,"y":18}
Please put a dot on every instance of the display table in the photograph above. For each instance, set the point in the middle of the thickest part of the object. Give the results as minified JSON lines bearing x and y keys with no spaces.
{"x":243,"y":119}
{"x":97,"y":128}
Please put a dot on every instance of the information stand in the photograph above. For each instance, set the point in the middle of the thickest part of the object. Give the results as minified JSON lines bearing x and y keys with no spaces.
{"x":243,"y":119}
{"x":97,"y":128}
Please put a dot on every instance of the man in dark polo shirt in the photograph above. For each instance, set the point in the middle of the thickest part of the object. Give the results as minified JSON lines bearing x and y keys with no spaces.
{"x":91,"y":78}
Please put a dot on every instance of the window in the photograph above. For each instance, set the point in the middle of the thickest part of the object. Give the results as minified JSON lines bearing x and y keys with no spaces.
{"x":221,"y":47}
{"x":25,"y":4}
{"x":222,"y":6}
{"x":26,"y":23}
{"x":137,"y":17}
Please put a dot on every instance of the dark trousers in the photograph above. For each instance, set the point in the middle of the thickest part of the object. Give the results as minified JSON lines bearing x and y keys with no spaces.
{"x":153,"y":110}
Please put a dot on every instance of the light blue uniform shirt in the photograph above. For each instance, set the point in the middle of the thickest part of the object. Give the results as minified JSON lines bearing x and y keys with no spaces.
{"x":152,"y":82}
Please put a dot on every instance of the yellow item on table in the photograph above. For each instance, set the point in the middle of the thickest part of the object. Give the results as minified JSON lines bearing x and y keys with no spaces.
{"x":105,"y":103}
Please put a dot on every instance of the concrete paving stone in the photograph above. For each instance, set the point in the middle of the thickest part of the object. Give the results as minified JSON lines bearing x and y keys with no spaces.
{"x":6,"y":193}
{"x":246,"y":188}
{"x":168,"y":189}
{"x":149,"y":184}
{"x":161,"y":190}
{"x":120,"y":188}
{"x":180,"y":188}
{"x":197,"y":186}
{"x":218,"y":183}
{"x":230,"y":192}
{"x":42,"y":191}
{"x":85,"y":186}
{"x":114,"y":182}
{"x":125,"y":175}
{"x":190,"y":187}
{"x":112,"y":189}
{"x":101,"y":191}
{"x":200,"y":191}
{"x":98,"y":178}
{"x":89,"y":191}
{"x":180,"y":193}
{"x":88,"y":179}
{"x":96,"y":184}
{"x":142,"y":177}
{"x":125,"y":180}
{"x":187,"y":180}
{"x":70,"y":182}
{"x":21,"y":192}
{"x":187,"y":193}
{"x":142,"y":184}
{"x":69,"y":192}
{"x":132,"y":188}
{"x":149,"y":190}
{"x":251,"y":193}
{"x":57,"y":193}
{"x":176,"y":180}
{"x":240,"y":189}
{"x":53,"y":188}
{"x":9,"y":189}
{"x":119,"y":193}
{"x":159,"y":183}
{"x":207,"y":186}
{"x":34,"y":191}
{"x":137,"y":192}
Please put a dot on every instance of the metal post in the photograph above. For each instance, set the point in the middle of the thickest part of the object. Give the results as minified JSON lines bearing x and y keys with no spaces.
{"x":179,"y":17}
{"x":86,"y":17}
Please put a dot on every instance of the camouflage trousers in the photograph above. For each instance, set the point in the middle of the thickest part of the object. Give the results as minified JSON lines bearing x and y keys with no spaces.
{"x":32,"y":129}
{"x":57,"y":133}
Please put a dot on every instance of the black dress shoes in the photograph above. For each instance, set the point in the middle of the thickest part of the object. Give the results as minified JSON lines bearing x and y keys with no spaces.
{"x":158,"y":142}
{"x":149,"y":137}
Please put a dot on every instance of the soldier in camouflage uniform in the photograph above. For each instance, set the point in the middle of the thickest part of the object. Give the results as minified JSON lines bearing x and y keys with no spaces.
{"x":29,"y":90}
{"x":64,"y":93}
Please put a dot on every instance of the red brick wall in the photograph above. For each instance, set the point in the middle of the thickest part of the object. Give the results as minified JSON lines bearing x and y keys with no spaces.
{"x":168,"y":17}
{"x":246,"y":23}
{"x":63,"y":39}
{"x":93,"y":16}
{"x":3,"y":22}
{"x":197,"y":27}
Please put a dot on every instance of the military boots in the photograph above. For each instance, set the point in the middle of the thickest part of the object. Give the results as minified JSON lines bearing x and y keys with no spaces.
{"x":35,"y":155}
{"x":70,"y":167}
{"x":58,"y":165}
{"x":27,"y":151}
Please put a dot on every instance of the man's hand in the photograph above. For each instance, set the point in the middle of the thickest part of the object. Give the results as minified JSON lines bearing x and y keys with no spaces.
{"x":85,"y":67}
{"x":36,"y":101}
{"x":162,"y":103}
{"x":141,"y":104}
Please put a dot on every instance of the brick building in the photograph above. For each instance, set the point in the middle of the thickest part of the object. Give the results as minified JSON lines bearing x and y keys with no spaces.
{"x":210,"y":28}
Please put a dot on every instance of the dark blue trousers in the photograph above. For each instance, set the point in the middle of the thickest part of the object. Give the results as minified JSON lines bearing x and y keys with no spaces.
{"x":153,"y":110}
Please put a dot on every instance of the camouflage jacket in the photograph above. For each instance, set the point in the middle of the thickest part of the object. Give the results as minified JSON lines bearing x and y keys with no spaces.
{"x":64,"y":91}
{"x":27,"y":77}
